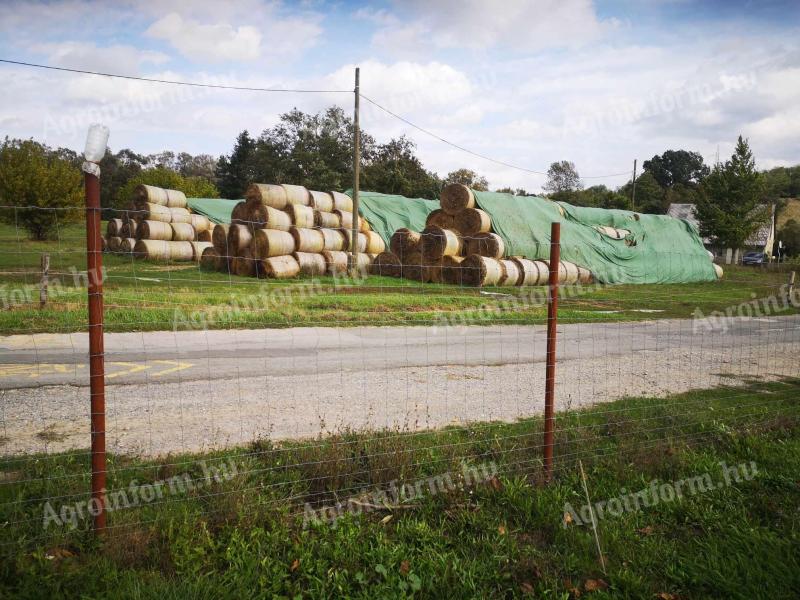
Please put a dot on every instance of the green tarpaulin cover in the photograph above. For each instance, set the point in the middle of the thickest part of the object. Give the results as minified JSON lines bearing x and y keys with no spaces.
{"x":216,"y":209}
{"x":659,"y":249}
{"x":386,"y":213}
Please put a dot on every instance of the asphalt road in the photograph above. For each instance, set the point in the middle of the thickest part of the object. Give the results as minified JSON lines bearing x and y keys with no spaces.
{"x":193,"y":391}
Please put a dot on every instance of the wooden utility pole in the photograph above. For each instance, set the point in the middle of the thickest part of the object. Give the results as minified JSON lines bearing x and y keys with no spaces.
{"x":633,"y":188}
{"x":356,"y":179}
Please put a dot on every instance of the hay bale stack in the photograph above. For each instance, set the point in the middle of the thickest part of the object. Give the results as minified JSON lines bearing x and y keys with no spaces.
{"x":342,"y":202}
{"x":302,"y":216}
{"x":348,"y":241}
{"x":154,"y":230}
{"x":296,"y":194}
{"x":147,"y":211}
{"x":271,"y":242}
{"x":266,"y":194}
{"x":156,"y":195}
{"x":266,"y":217}
{"x":180,"y":215}
{"x":200,"y":222}
{"x":532,"y":272}
{"x":307,"y":240}
{"x":567,"y":273}
{"x":511,"y":273}
{"x":346,"y":220}
{"x":335,"y":261}
{"x":321,"y":201}
{"x":481,"y":271}
{"x":328,"y":220}
{"x":239,"y":238}
{"x":388,"y":264}
{"x":310,"y":263}
{"x":438,"y":242}
{"x":439,"y":218}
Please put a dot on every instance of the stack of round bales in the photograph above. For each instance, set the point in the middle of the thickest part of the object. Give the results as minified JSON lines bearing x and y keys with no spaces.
{"x":459,"y":247}
{"x":158,"y":225}
{"x":287,"y":230}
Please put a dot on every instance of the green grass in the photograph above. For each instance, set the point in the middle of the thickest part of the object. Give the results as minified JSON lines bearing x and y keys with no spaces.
{"x":244,"y":537}
{"x":141,"y":296}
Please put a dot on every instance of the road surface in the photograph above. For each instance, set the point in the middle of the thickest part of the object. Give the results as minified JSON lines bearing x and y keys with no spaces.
{"x":188,"y":391}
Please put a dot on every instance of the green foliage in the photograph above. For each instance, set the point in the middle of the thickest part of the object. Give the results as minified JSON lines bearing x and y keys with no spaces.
{"x":33,"y":175}
{"x":193,"y":187}
{"x":781,"y":182}
{"x":562,"y":177}
{"x":677,"y":167}
{"x":597,"y":196}
{"x":729,"y":208}
{"x":790,"y":236}
{"x":649,"y":194}
{"x":469,"y":178}
{"x":395,"y":169}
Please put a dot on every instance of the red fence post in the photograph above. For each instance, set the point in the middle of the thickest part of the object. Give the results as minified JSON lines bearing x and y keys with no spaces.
{"x":94,"y":266}
{"x":550,"y":372}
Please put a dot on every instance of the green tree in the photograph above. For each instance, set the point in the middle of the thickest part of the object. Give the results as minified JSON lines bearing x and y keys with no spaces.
{"x":562,"y":177}
{"x":677,"y":167}
{"x":649,"y":194}
{"x":469,"y":178}
{"x":193,"y":187}
{"x":790,"y":236}
{"x":395,"y":169}
{"x":729,"y":208}
{"x":45,"y":186}
{"x":235,"y":172}
{"x":115,"y":171}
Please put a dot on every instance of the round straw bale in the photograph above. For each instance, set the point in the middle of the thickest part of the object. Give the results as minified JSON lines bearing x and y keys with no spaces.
{"x":348,"y":243}
{"x":154,"y":212}
{"x":197,"y":249}
{"x":280,"y":267}
{"x":302,"y":216}
{"x":405,"y":242}
{"x":266,"y":194}
{"x":307,"y":240}
{"x":163,"y":250}
{"x":176,"y":199}
{"x":205,"y":236}
{"x":201,"y":222}
{"x":126,"y":245}
{"x":480,"y":270}
{"x":532,"y":272}
{"x":183,"y":232}
{"x":327,"y":219}
{"x":346,"y":219}
{"x":387,"y":264}
{"x":149,"y":193}
{"x":375,"y":243}
{"x":471,"y":221}
{"x":271,"y":242}
{"x":585,"y":275}
{"x":486,"y":244}
{"x":439,"y":218}
{"x":511,"y":273}
{"x":414,"y":267}
{"x":718,"y":271}
{"x":244,"y":265}
{"x":363,"y":225}
{"x":219,"y":237}
{"x":129,"y":229}
{"x":114,"y":228}
{"x":321,"y":201}
{"x":210,"y":259}
{"x":296,"y":194}
{"x":567,"y":273}
{"x":456,"y":197}
{"x":239,"y":238}
{"x":438,"y":242}
{"x":270,"y":218}
{"x":241,"y":213}
{"x":334,"y":239}
{"x":154,"y":230}
{"x":311,"y":263}
{"x":342,"y":202}
{"x":451,"y":269}
{"x":114,"y":243}
{"x":180,"y":215}
{"x":335,"y":261}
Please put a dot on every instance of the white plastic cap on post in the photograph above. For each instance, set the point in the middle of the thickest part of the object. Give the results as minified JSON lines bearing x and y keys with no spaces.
{"x":96,"y":141}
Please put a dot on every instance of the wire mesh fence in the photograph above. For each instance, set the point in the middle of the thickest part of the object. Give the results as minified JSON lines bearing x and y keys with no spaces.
{"x":236,"y":397}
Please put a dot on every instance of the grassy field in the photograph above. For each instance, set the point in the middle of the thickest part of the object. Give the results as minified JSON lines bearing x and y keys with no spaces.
{"x":140,"y":296}
{"x":505,"y":536}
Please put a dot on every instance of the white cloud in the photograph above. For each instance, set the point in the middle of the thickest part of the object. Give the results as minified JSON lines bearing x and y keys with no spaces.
{"x":214,"y":43}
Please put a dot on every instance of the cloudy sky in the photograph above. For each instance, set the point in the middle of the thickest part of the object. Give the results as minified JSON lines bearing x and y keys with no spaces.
{"x":527,"y":83}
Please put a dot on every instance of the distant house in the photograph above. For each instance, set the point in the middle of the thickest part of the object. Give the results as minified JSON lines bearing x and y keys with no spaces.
{"x":762,"y":239}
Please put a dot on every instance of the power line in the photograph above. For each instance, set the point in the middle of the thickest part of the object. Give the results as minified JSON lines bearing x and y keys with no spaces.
{"x":473,"y":153}
{"x":172,"y":81}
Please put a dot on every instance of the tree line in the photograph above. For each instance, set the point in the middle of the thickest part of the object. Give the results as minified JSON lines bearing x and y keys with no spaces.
{"x":317,"y":150}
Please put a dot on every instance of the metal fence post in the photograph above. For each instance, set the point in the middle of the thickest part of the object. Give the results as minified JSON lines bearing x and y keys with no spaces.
{"x":550,"y":372}
{"x":94,"y":266}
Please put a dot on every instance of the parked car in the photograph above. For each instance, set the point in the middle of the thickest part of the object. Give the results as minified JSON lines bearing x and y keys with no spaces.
{"x":754,"y":258}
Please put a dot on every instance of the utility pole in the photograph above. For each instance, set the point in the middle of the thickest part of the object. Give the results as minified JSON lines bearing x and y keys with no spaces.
{"x":356,"y":179}
{"x":633,"y":188}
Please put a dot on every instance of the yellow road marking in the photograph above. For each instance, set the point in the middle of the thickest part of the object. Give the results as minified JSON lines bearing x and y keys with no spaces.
{"x":133,"y":368}
{"x":34,"y":370}
{"x":179,"y":366}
